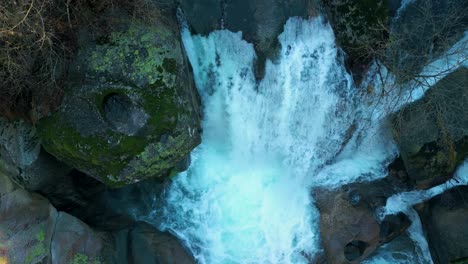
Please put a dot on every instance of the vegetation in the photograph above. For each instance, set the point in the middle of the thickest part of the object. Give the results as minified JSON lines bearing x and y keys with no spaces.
{"x":31,"y":56}
{"x":420,"y":34}
{"x":38,"y":39}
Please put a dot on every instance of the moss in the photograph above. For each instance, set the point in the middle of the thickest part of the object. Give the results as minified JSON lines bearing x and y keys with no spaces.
{"x":144,"y":63}
{"x":80,"y":258}
{"x":90,"y":152}
{"x":38,"y":250}
{"x":41,"y":236}
{"x":131,"y":53}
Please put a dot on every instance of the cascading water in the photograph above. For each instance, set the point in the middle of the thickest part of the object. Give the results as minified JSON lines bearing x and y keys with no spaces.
{"x":246,"y":196}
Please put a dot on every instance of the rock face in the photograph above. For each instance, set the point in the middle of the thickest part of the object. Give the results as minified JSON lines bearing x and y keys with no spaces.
{"x":26,"y":225}
{"x":432,"y":133}
{"x":33,"y":231}
{"x":145,"y":244}
{"x":259,"y":20}
{"x":349,"y":227}
{"x":423,"y":30}
{"x":359,"y":28}
{"x":73,"y":241}
{"x":131,"y":111}
{"x":22,"y":157}
{"x":444,"y":219}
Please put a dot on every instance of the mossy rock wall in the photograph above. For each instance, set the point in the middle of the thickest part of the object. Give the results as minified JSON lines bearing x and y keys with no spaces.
{"x":131,"y":111}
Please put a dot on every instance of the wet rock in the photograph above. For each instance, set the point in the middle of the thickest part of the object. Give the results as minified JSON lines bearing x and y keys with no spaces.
{"x":145,"y":244}
{"x":444,"y":220}
{"x":349,"y":224}
{"x":23,"y":159}
{"x":261,"y":21}
{"x":131,"y":110}
{"x":116,"y":209}
{"x":432,"y":133}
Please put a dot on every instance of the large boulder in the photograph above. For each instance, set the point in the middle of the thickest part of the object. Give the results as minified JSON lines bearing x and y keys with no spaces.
{"x":432,"y":133}
{"x":349,"y":224}
{"x":444,"y":219}
{"x":131,"y":110}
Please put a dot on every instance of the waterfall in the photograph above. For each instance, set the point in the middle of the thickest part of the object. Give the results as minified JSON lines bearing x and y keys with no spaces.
{"x":246,"y":196}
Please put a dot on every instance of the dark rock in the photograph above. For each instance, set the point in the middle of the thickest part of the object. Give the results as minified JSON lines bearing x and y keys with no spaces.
{"x":74,"y":194}
{"x":23,"y":159}
{"x":349,"y":225}
{"x":145,"y":244}
{"x":131,"y":110}
{"x":359,"y":27}
{"x":424,"y":30}
{"x":32,"y":231}
{"x":260,"y":21}
{"x":444,"y":220}
{"x":432,"y":133}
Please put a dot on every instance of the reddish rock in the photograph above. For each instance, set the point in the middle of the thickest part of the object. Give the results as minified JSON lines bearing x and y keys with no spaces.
{"x":350,"y":230}
{"x":26,"y":226}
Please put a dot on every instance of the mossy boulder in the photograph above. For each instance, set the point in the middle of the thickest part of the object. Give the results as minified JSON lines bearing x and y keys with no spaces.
{"x":432,"y":133}
{"x":131,"y":110}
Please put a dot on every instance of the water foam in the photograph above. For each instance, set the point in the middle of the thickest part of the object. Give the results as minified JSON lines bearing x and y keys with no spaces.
{"x":246,"y":198}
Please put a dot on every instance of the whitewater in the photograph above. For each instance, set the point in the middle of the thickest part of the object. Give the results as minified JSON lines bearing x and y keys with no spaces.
{"x":246,"y":197}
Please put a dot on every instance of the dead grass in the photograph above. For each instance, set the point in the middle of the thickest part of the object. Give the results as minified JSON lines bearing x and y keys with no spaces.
{"x":38,"y":38}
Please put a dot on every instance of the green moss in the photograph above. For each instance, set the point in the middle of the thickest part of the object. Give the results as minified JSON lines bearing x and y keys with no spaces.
{"x":41,"y":236}
{"x":143,"y":63}
{"x":37,"y":251}
{"x":80,"y":258}
{"x":90,"y":152}
{"x":134,"y":54}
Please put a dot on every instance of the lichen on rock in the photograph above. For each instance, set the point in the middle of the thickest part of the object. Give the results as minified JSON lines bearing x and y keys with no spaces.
{"x":131,"y":111}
